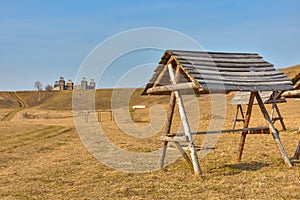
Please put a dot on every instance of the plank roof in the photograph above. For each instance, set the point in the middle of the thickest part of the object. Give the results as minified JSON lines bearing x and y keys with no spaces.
{"x":220,"y":71}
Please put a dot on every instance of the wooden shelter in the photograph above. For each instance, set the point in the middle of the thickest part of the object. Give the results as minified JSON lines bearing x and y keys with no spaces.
{"x":214,"y":72}
{"x":268,"y":97}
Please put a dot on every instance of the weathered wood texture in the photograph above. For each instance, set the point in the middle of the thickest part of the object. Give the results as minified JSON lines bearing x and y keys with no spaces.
{"x":290,"y":94}
{"x":274,"y":130}
{"x":185,"y":123}
{"x":297,"y":152}
{"x":215,"y":71}
{"x":246,"y":124}
{"x":242,"y":98}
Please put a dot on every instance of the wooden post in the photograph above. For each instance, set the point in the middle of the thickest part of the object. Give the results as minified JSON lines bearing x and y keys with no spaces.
{"x":185,"y":124}
{"x":297,"y":152}
{"x":275,"y":108}
{"x":167,"y":129}
{"x":273,"y":129}
{"x":246,"y":124}
{"x":238,"y":108}
{"x":280,"y":118}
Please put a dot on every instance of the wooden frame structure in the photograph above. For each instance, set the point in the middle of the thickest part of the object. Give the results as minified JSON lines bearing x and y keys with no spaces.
{"x":214,"y":72}
{"x":268,"y":97}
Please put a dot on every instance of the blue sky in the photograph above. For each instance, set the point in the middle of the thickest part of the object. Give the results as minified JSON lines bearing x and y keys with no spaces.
{"x":43,"y":40}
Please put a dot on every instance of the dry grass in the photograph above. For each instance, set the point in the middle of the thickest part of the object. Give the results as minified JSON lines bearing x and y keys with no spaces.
{"x":43,"y":158}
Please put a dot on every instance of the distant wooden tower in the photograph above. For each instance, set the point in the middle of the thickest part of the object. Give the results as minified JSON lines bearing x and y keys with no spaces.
{"x":84,"y":83}
{"x":92,"y":84}
{"x":70,"y":85}
{"x":61,"y":83}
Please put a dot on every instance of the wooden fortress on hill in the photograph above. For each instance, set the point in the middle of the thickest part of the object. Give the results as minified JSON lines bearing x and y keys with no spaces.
{"x":214,"y":72}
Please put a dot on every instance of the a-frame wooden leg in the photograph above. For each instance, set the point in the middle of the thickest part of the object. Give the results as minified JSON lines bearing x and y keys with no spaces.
{"x":273,"y":129}
{"x":238,"y":109}
{"x":280,"y":117}
{"x":246,"y":124}
{"x":297,"y":152}
{"x":167,"y":129}
{"x":185,"y":124}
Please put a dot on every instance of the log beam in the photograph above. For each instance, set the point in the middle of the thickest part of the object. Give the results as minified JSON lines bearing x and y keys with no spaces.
{"x":168,"y":88}
{"x":246,"y":124}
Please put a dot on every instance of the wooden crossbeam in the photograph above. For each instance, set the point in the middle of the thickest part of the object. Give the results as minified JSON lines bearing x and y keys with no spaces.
{"x":174,"y":87}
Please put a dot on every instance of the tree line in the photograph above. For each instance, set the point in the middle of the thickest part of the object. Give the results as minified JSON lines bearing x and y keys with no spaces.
{"x":39,"y":86}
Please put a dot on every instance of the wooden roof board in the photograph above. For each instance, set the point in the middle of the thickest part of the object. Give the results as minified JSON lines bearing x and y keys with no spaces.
{"x":218,"y":71}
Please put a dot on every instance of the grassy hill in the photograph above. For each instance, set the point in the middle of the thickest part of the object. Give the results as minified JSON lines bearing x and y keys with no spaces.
{"x":62,"y":100}
{"x":291,"y":71}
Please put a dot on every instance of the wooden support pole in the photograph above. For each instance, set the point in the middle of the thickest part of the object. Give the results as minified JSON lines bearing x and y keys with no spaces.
{"x":167,"y":129}
{"x":185,"y":124}
{"x":238,"y":108}
{"x":273,"y":129}
{"x":246,"y":124}
{"x":297,"y":152}
{"x":280,"y":118}
{"x":160,"y":76}
{"x":185,"y":156}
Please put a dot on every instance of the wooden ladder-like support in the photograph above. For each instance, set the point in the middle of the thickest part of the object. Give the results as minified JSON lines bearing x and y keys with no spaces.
{"x":274,"y":110}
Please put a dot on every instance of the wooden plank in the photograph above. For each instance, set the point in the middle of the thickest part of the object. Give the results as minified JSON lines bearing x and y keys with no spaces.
{"x":239,"y":79}
{"x":181,"y":138}
{"x":185,"y":124}
{"x":222,"y":60}
{"x":232,"y":71}
{"x":274,"y":130}
{"x":222,"y":87}
{"x":246,"y":124}
{"x":252,"y":84}
{"x":230,"y":65}
{"x":242,"y":98}
{"x":249,"y":131}
{"x":213,"y":54}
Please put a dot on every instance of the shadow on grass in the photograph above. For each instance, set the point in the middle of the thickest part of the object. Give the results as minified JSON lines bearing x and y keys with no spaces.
{"x":233,"y":169}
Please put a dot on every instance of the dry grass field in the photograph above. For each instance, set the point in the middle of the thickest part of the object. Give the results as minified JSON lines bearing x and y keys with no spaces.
{"x":42,"y":156}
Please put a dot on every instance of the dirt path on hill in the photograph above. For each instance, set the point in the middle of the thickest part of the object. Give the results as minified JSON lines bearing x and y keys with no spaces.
{"x":22,"y":105}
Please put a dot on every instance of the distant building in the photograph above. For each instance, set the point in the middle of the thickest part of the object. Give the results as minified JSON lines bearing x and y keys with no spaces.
{"x":62,"y":85}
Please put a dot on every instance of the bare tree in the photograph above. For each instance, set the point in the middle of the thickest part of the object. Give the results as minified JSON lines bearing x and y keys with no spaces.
{"x":49,"y":88}
{"x":38,"y":85}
